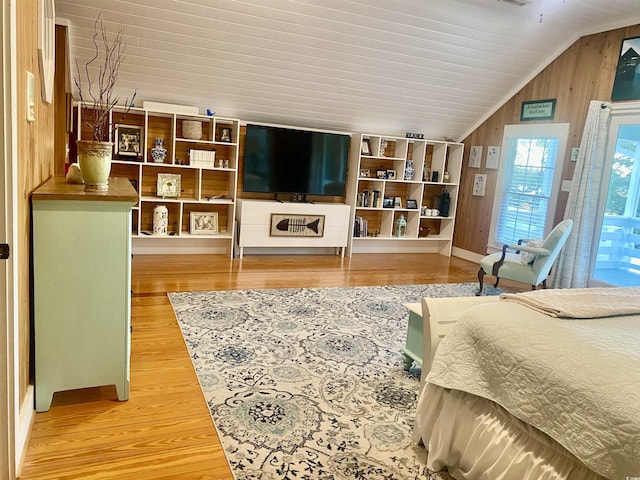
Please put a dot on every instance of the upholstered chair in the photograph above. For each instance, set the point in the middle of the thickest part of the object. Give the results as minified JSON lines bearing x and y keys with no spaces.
{"x":526,"y":263}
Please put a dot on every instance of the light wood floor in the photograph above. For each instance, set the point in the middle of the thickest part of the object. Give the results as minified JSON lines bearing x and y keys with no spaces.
{"x":164,"y":430}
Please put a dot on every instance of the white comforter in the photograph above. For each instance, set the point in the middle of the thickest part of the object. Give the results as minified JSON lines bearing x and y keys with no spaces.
{"x":576,"y":380}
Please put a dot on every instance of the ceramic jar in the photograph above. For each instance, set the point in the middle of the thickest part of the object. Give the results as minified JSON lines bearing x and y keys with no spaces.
{"x":158,"y":152}
{"x":94,"y":159}
{"x":409,"y":170}
{"x":160,"y":220}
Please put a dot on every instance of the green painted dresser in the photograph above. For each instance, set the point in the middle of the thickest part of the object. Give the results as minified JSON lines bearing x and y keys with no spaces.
{"x":81,"y":287}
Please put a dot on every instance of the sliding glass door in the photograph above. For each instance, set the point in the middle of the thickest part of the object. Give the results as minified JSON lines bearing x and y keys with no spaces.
{"x":617,"y":261}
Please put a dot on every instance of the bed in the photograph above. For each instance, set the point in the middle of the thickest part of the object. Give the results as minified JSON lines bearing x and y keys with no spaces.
{"x":540,"y":385}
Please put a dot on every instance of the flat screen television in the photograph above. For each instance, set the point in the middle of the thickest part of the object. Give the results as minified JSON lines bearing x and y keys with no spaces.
{"x":287,"y":160}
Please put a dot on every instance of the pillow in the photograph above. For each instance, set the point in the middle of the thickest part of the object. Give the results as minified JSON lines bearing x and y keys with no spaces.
{"x":528,"y":257}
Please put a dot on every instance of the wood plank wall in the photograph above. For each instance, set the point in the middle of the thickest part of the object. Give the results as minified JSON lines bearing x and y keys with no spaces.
{"x":584,"y":72}
{"x":35,"y":165}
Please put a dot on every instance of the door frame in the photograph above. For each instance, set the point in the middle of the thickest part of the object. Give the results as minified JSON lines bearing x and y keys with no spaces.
{"x":619,"y":114}
{"x":8,"y":234}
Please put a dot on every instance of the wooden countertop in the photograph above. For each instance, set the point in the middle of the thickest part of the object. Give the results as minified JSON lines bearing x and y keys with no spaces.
{"x":56,"y":188}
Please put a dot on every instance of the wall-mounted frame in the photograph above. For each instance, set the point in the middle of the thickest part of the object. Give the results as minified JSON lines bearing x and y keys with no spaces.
{"x":479,"y":184}
{"x":203,"y":223}
{"x":296,"y":225}
{"x":128,"y":139}
{"x":626,"y":85}
{"x":538,"y":110}
{"x":46,"y":47}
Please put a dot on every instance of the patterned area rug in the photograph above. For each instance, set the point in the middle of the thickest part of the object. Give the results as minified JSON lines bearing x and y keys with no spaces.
{"x":307,"y":383}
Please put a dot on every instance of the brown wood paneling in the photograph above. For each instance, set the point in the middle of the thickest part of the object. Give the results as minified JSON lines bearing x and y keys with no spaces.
{"x":35,"y":165}
{"x":584,"y":72}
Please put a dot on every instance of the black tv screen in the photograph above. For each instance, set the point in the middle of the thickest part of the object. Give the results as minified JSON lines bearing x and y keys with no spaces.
{"x":287,"y":160}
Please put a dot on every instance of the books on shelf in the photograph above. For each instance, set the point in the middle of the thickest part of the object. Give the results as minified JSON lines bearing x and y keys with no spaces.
{"x":370,"y":199}
{"x":202,"y":158}
{"x":360,"y":227}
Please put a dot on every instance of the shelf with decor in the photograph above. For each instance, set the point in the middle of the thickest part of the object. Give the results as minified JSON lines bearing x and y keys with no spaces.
{"x":397,"y":191}
{"x":186,"y":163}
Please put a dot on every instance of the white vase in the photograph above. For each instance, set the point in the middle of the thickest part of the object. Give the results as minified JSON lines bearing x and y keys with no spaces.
{"x":94,"y":159}
{"x":160,"y":220}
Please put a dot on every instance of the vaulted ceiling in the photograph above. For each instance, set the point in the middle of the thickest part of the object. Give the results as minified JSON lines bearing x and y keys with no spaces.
{"x":439,"y":67}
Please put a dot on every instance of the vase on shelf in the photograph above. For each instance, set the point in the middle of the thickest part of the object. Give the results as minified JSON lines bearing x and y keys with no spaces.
{"x":446,"y":177}
{"x":409,"y":170}
{"x":160,"y":220}
{"x":445,"y":203}
{"x":94,"y":159}
{"x":158,"y":152}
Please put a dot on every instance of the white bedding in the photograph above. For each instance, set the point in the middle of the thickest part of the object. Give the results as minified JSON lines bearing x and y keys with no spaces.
{"x":576,"y":380}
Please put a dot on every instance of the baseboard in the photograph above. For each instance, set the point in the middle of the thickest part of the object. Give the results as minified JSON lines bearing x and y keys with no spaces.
{"x":23,"y":429}
{"x":466,"y":255}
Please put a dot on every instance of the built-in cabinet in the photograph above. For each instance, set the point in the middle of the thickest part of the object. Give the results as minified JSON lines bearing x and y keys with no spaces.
{"x":396,"y":180}
{"x":207,"y":167}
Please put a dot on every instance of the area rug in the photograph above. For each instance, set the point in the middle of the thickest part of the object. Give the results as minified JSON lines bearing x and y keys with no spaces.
{"x":307,"y":383}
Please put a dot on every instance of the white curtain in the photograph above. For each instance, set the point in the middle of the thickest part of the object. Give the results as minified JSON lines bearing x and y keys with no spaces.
{"x":572,"y":267}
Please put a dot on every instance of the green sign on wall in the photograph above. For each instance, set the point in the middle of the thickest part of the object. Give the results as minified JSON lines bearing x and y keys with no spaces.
{"x":538,"y":110}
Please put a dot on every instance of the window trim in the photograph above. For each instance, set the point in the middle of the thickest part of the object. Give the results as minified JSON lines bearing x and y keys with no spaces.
{"x":539,"y":130}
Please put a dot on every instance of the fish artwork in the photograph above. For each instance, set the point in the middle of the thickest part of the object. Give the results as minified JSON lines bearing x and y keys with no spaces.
{"x":297,"y":225}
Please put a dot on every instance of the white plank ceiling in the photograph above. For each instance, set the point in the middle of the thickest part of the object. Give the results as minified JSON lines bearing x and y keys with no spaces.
{"x":439,"y":67}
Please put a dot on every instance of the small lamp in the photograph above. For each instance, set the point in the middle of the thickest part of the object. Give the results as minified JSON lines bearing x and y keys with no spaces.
{"x":401,"y":226}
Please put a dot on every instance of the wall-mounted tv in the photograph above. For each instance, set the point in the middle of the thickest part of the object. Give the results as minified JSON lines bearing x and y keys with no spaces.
{"x":289,"y":160}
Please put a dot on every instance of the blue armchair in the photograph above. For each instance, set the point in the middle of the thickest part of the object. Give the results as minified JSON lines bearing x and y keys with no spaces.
{"x":510,"y":266}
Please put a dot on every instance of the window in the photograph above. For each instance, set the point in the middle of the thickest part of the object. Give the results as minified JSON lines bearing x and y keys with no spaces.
{"x":528,"y":183}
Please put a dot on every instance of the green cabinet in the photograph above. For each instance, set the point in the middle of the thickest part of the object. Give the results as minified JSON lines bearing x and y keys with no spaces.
{"x":81,"y":287}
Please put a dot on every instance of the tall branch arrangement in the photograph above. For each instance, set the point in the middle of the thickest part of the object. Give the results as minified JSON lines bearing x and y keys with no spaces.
{"x":97,"y":97}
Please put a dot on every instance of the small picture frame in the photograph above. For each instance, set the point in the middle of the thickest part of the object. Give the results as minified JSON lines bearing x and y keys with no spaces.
{"x":128,"y":141}
{"x":168,"y":185}
{"x":225,"y":134}
{"x":365,"y":173}
{"x":203,"y":223}
{"x":479,"y":184}
{"x":391,"y":174}
{"x":381,"y":174}
{"x":365,"y":148}
{"x":397,"y":202}
{"x":413,"y":204}
{"x":387,"y":202}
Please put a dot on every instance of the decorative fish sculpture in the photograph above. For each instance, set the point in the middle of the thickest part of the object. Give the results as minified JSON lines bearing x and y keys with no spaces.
{"x":297,"y":225}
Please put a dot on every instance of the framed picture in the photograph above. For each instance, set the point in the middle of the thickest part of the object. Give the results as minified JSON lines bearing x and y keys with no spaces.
{"x":381,"y":174}
{"x":365,"y":173}
{"x":626,"y":84}
{"x":391,"y":174}
{"x":168,"y":185}
{"x":203,"y":223}
{"x":128,"y":140}
{"x":397,"y":202}
{"x":225,"y":134}
{"x":475,"y":156}
{"x":387,"y":202}
{"x":493,"y":157}
{"x":365,"y":148}
{"x":295,"y":225}
{"x":412,"y":203}
{"x":479,"y":184}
